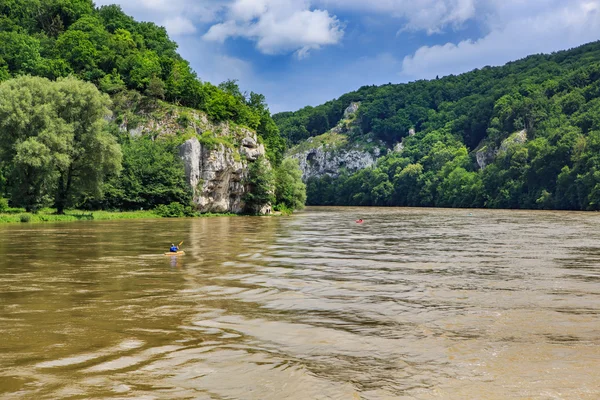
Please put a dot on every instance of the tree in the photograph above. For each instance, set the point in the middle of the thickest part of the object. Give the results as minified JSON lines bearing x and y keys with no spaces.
{"x":53,"y":136}
{"x":260,"y":186}
{"x":20,"y":52}
{"x":153,"y":174}
{"x":290,"y":191}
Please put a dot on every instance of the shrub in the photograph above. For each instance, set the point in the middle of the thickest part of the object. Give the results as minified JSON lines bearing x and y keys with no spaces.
{"x":3,"y":205}
{"x":184,"y":119}
{"x":173,"y":210}
{"x":25,"y":218}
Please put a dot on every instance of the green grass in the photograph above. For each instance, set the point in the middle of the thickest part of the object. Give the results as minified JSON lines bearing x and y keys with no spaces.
{"x":49,"y":215}
{"x":332,"y":140}
{"x":16,"y":216}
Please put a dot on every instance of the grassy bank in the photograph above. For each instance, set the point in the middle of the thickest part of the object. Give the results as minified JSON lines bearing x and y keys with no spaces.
{"x":49,"y":215}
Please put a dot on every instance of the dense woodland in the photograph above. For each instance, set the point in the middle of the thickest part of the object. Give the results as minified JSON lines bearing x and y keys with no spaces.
{"x":61,"y":59}
{"x":555,"y":98}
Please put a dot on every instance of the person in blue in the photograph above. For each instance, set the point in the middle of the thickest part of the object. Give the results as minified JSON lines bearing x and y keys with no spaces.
{"x":174,"y":249}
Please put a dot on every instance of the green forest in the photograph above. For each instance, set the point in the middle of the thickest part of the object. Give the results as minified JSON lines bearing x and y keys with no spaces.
{"x":553,"y":99}
{"x":68,"y":73}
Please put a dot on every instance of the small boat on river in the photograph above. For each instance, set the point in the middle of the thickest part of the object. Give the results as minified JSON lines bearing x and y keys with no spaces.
{"x":175,"y":254}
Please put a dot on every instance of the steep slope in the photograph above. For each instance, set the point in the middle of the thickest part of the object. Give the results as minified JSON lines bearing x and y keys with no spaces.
{"x":524,"y":135}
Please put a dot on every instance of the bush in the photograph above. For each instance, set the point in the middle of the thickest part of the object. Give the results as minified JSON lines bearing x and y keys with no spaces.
{"x":173,"y":210}
{"x":3,"y":205}
{"x":25,"y":218}
{"x":184,"y":119}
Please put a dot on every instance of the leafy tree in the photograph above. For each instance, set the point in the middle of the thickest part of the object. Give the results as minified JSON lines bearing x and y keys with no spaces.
{"x":153,"y":174}
{"x":53,"y":136}
{"x":20,"y":52}
{"x":290,"y":191}
{"x":261,"y":186}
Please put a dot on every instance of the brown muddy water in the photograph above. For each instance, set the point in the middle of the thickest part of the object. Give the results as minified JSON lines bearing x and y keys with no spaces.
{"x":413,"y":304}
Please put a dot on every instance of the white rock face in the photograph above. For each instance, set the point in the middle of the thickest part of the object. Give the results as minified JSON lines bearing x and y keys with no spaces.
{"x":320,"y":162}
{"x":352,"y":109}
{"x":217,"y":176}
{"x":485,"y":156}
{"x":217,"y":173}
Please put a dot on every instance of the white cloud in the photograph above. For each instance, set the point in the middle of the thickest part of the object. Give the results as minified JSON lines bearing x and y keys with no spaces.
{"x":427,"y":15}
{"x":511,"y":36}
{"x":179,"y":17}
{"x":278,"y":26}
{"x":179,"y":26}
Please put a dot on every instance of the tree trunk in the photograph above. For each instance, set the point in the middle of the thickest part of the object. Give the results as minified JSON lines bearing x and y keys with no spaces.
{"x":63,"y":192}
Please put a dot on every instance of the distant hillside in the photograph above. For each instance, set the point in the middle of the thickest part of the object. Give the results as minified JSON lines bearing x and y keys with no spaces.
{"x":524,"y":135}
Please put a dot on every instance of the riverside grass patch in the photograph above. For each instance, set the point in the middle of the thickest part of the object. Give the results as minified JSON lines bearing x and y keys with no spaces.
{"x":49,"y":215}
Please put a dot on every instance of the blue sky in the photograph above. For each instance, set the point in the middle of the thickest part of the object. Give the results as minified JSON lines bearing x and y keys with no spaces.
{"x":305,"y":52}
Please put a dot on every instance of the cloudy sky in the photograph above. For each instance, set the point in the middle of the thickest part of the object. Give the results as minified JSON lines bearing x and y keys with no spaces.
{"x":305,"y":52}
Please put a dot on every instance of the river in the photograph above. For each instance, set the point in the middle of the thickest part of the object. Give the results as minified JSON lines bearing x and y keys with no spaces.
{"x":412,"y":304}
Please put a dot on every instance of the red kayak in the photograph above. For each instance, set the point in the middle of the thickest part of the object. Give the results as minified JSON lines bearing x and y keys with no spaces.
{"x":359,"y":221}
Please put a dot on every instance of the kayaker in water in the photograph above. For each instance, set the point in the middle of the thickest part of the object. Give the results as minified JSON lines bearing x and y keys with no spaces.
{"x":359,"y":221}
{"x":174,"y":249}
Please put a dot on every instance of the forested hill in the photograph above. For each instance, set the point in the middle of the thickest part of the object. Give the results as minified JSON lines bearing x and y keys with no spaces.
{"x":534,"y":124}
{"x":60,"y":148}
{"x":59,"y":38}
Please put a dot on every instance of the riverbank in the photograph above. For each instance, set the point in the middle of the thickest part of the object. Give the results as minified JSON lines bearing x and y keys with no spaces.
{"x":49,"y":215}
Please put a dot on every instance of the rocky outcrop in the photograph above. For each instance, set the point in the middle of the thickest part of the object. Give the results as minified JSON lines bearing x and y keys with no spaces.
{"x":487,"y":153}
{"x":351,"y":110}
{"x":216,"y":157}
{"x":217,"y":173}
{"x":330,"y":154}
{"x":322,"y":161}
{"x":515,"y":138}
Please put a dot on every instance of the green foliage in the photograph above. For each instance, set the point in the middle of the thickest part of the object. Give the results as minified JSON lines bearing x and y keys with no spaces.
{"x":58,"y":150}
{"x":290,"y":191}
{"x":57,"y":38}
{"x":153,"y":174}
{"x":541,"y":115}
{"x":261,"y":186}
{"x":53,"y":137}
{"x":173,"y":210}
{"x":3,"y":205}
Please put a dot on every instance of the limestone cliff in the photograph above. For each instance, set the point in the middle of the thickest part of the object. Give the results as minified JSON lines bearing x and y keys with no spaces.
{"x":331,"y":153}
{"x":215,"y":156}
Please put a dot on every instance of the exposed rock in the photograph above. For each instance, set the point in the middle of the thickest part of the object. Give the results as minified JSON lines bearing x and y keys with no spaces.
{"x":251,"y":149}
{"x":321,"y":161}
{"x":515,"y":138}
{"x":487,"y":153}
{"x":411,"y":132}
{"x":217,"y":175}
{"x":485,"y":156}
{"x":399,"y":147}
{"x":351,"y":110}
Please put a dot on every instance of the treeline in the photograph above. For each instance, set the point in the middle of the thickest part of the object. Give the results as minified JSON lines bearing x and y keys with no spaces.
{"x":554,"y":98}
{"x":57,"y":147}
